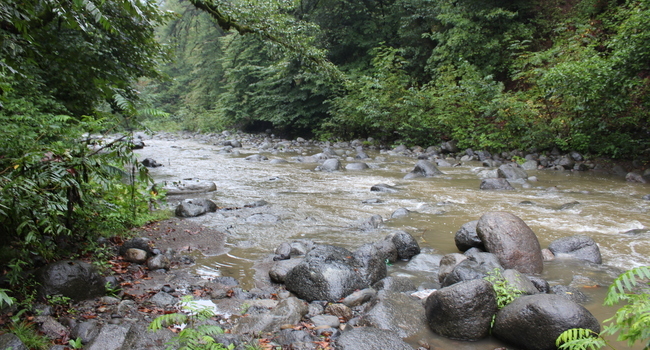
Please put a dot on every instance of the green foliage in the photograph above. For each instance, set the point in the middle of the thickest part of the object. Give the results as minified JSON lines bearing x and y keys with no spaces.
{"x":579,"y":339}
{"x":506,"y":292}
{"x":196,"y":334}
{"x":5,"y":299}
{"x":30,"y":337}
{"x":631,"y":322}
{"x":75,"y":343}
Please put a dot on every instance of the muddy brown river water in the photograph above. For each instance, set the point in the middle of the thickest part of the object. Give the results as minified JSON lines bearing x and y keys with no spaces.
{"x":328,"y":207}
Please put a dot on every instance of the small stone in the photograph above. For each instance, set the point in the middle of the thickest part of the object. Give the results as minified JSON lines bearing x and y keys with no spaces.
{"x":135,"y":255}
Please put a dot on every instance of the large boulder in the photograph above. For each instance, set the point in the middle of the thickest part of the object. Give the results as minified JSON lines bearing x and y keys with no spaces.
{"x":512,"y":172}
{"x":579,"y":247}
{"x":472,"y":269}
{"x":370,"y":338}
{"x":466,"y":237}
{"x":188,"y":186}
{"x":195,"y":207}
{"x":71,"y":278}
{"x":462,"y":311}
{"x":396,"y":312}
{"x":370,"y":264}
{"x":423,"y":168}
{"x":330,"y":165}
{"x":534,"y":322}
{"x":407,"y":247}
{"x":326,"y":273}
{"x":496,"y":184}
{"x":512,"y":241}
{"x":448,"y":263}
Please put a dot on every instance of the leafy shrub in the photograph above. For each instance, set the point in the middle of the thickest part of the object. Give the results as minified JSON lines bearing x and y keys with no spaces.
{"x":631,"y":322}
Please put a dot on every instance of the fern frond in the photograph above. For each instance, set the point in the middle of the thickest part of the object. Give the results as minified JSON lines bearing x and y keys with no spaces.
{"x":579,"y":339}
{"x":163,"y":321}
{"x":625,"y":283}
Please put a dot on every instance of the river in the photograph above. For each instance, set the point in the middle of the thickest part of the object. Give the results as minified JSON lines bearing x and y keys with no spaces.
{"x":328,"y":207}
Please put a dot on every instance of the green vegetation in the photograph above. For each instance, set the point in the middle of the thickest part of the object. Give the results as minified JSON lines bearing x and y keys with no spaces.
{"x":490,"y":75}
{"x":67,"y":74}
{"x":196,"y":333}
{"x":505,"y":291}
{"x":631,"y":322}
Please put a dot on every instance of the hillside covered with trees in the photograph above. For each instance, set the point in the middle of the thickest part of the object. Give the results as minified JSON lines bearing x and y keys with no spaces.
{"x":499,"y":75}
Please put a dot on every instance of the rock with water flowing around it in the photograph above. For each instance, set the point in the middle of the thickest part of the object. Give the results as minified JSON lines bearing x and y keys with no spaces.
{"x":466,"y":237}
{"x":463,"y":311}
{"x":512,"y":172}
{"x":534,"y":322}
{"x":496,"y":184}
{"x":396,"y":312}
{"x":407,"y":246}
{"x":579,"y":247}
{"x":327,"y":273}
{"x":188,"y":186}
{"x":512,"y":241}
{"x":195,"y":207}
{"x":423,"y":168}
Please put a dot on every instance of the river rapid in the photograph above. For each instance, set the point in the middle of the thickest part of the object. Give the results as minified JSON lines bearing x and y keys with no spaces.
{"x":328,"y":207}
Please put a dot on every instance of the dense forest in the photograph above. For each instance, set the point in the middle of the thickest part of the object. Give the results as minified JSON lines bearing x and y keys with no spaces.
{"x":498,"y":75}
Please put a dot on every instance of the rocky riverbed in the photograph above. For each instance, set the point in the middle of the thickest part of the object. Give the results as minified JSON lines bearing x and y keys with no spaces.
{"x":353,"y":280}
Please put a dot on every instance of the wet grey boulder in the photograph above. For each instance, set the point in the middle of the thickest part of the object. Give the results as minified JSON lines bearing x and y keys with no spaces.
{"x":448,"y":263}
{"x":466,"y":237}
{"x":288,"y":311}
{"x":158,"y":262}
{"x":330,"y":165}
{"x":519,"y":282}
{"x":383,"y":188}
{"x":163,"y":300}
{"x":395,"y":312}
{"x":570,"y":293}
{"x":256,"y":158}
{"x":400,"y":213}
{"x":371,"y":223}
{"x":398,"y":284}
{"x":566,"y":162}
{"x":512,"y":172}
{"x":530,"y":165}
{"x":140,"y":337}
{"x":279,"y":270}
{"x":150,"y":163}
{"x":190,"y":208}
{"x":423,"y":168}
{"x":110,"y":337}
{"x":326,"y":273}
{"x":424,"y":262}
{"x":463,"y":311}
{"x":468,"y":270}
{"x":360,"y":297}
{"x":370,"y":338}
{"x":387,"y":250}
{"x":534,"y":322}
{"x":71,"y":278}
{"x":511,"y":240}
{"x":357,"y":166}
{"x":407,"y":247}
{"x":282,"y":252}
{"x":11,"y":341}
{"x":496,"y":184}
{"x":579,"y":247}
{"x":188,"y":186}
{"x":369,"y":264}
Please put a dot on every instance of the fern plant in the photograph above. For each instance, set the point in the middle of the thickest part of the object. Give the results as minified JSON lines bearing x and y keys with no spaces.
{"x":631,"y":322}
{"x":195,"y":335}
